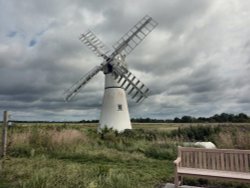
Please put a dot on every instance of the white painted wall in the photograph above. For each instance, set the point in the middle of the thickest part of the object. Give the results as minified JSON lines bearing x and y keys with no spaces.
{"x":114,"y":97}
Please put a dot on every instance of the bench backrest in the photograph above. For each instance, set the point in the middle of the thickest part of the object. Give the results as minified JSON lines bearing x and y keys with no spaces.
{"x":217,"y":159}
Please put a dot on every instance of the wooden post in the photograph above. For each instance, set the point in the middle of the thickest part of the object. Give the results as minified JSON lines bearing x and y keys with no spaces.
{"x":4,"y":133}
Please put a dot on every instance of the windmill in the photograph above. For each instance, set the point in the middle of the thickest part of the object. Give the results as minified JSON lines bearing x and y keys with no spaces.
{"x":118,"y":79}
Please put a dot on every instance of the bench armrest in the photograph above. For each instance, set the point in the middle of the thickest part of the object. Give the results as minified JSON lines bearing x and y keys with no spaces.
{"x":177,"y":161}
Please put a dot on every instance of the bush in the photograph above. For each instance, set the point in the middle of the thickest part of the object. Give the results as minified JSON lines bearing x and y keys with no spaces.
{"x":20,"y":151}
{"x":139,"y":134}
{"x":196,"y":133}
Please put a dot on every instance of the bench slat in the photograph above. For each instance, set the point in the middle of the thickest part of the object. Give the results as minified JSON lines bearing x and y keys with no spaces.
{"x":227,"y":161}
{"x":196,"y":164}
{"x":236,"y":162}
{"x":213,"y":160}
{"x":204,"y":160}
{"x":218,"y":163}
{"x":246,"y":158}
{"x":241,"y":163}
{"x":183,"y":149}
{"x":200,"y":160}
{"x":214,"y":173}
{"x":232,"y":166}
{"x":182,"y":158}
{"x":222,"y":161}
{"x":187,"y":156}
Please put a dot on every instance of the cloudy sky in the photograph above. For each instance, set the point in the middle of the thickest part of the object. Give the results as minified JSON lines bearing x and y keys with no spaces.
{"x":196,"y":62}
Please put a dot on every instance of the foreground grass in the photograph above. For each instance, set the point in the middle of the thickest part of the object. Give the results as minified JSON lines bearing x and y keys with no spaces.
{"x":59,"y":157}
{"x":76,"y":156}
{"x":73,"y":171}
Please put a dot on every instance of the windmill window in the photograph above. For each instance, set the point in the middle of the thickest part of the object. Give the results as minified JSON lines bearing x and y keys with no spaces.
{"x":119,"y":107}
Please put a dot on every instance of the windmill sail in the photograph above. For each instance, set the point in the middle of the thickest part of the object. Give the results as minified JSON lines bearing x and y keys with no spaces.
{"x":134,"y":36}
{"x":95,"y":44}
{"x":74,"y":89}
{"x":132,"y":85}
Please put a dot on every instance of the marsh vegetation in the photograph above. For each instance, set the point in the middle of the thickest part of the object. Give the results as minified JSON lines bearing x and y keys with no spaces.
{"x":75,"y":155}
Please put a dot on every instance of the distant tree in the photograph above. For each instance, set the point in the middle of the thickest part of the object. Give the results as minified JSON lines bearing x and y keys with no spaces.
{"x":217,"y":118}
{"x":241,"y":117}
{"x":186,"y":119}
{"x":177,"y":120}
{"x":202,"y":119}
{"x":224,"y":117}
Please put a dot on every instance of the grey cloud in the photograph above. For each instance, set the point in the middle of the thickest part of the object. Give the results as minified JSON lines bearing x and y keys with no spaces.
{"x":187,"y":61}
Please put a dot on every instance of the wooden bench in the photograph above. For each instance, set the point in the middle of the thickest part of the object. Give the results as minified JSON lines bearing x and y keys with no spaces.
{"x":212,"y":163}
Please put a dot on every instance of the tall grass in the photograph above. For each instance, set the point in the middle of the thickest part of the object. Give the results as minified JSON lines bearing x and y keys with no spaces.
{"x":73,"y":176}
{"x":196,"y":133}
{"x":59,"y":156}
{"x":37,"y":141}
{"x":233,"y":140}
{"x":93,"y":160}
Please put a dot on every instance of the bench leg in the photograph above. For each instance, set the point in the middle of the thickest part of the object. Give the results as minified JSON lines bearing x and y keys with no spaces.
{"x":177,"y":181}
{"x":181,"y":180}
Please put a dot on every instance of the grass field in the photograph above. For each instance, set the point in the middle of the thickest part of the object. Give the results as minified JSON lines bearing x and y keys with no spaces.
{"x":74,"y":155}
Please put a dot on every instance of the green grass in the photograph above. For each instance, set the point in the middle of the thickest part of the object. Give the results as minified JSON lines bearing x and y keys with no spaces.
{"x":74,"y":155}
{"x":83,"y":171}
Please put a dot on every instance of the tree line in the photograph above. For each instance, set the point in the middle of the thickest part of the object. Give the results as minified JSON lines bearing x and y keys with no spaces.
{"x":217,"y":118}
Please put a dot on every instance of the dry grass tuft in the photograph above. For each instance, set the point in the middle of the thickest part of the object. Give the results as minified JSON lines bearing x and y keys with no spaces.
{"x":48,"y":138}
{"x":20,"y":138}
{"x":233,"y":140}
{"x":242,"y":140}
{"x":67,"y":136}
{"x":224,"y":140}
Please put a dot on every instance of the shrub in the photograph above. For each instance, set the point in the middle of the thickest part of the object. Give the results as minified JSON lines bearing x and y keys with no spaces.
{"x":196,"y":133}
{"x":138,"y":134}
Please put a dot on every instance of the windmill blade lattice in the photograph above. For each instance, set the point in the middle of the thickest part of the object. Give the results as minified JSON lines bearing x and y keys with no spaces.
{"x":95,"y":44}
{"x":135,"y":36}
{"x":132,"y":85}
{"x":74,"y":89}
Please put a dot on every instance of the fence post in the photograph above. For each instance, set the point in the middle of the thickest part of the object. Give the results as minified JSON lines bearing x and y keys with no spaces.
{"x":4,"y":133}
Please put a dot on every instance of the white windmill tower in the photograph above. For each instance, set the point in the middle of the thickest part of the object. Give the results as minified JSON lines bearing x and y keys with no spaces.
{"x":118,"y":79}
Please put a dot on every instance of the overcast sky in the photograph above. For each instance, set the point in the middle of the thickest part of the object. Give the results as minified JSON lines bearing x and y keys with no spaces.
{"x":196,"y":62}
